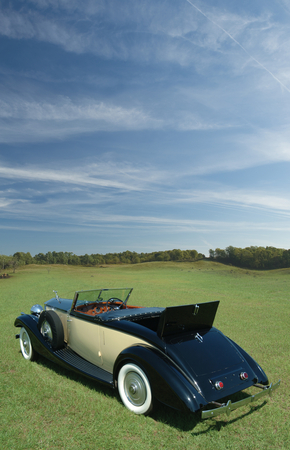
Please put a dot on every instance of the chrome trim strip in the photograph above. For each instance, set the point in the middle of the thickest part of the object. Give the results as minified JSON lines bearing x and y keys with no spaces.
{"x":229,"y":406}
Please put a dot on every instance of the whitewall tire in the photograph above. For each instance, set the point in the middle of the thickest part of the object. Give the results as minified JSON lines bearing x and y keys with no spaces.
{"x":25,"y":345}
{"x":134,"y":389}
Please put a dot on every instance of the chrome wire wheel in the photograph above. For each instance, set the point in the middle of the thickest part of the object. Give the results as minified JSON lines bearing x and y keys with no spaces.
{"x":134,"y":389}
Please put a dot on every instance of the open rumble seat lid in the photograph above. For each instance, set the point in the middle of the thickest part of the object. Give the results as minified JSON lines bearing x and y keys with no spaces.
{"x":178,"y":319}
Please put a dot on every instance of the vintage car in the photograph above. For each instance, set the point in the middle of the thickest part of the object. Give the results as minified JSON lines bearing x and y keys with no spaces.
{"x":173,"y":355}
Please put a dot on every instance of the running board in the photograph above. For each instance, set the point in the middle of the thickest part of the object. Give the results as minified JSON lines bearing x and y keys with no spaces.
{"x":69,"y":357}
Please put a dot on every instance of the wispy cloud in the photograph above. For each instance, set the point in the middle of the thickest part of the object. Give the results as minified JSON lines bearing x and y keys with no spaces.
{"x":240,"y":45}
{"x":89,"y":223}
{"x":70,"y":178}
{"x":65,"y":109}
{"x":241,"y":198}
{"x":82,"y":28}
{"x":29,"y":120}
{"x":166,"y":31}
{"x":82,"y":187}
{"x":75,"y":177}
{"x":241,"y":150}
{"x":156,"y":32}
{"x":4,"y":202}
{"x":159,"y":117}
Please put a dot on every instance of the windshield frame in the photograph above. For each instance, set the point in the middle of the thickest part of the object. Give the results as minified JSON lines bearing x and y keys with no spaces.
{"x":101,"y":295}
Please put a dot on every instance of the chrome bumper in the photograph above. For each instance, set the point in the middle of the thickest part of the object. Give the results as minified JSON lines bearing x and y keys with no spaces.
{"x":226,"y":408}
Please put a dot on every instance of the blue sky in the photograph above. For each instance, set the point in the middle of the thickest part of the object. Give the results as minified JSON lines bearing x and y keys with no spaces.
{"x":144,"y":125}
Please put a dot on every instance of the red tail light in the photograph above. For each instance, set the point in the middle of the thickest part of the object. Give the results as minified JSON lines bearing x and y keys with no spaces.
{"x":244,"y":376}
{"x":219,"y":385}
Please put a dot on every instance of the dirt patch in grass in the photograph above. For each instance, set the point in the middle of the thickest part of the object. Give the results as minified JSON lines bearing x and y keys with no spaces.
{"x":4,"y":276}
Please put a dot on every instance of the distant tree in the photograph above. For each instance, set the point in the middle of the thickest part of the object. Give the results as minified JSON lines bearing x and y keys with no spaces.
{"x":40,"y":258}
{"x":87,"y":260}
{"x":220,"y":254}
{"x":4,"y":261}
{"x":62,"y":258}
{"x":193,"y":254}
{"x":136,"y":259}
{"x":286,"y":258}
{"x":14,"y":263}
{"x":233,"y":255}
{"x":74,"y":260}
{"x":50,"y":258}
{"x":98,"y":259}
{"x":176,"y":255}
{"x":28,"y":258}
{"x":23,"y":258}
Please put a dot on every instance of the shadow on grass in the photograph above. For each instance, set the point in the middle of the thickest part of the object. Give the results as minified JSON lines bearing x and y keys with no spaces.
{"x":216,"y":424}
{"x":188,"y":421}
{"x":176,"y":419}
{"x":93,"y":385}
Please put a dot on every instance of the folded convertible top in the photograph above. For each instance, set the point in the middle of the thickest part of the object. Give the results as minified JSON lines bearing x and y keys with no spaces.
{"x":121,"y":314}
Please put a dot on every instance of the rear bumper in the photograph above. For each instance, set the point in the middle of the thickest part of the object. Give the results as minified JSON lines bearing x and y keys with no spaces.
{"x":226,"y":408}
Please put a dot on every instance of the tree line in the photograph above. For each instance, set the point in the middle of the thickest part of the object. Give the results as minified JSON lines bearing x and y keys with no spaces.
{"x":258,"y":258}
{"x":95,"y":259}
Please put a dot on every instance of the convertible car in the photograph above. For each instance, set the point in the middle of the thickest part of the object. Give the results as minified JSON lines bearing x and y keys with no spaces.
{"x":173,"y":354}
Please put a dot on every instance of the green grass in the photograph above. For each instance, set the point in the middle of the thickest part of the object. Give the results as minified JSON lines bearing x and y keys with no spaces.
{"x":44,"y":406}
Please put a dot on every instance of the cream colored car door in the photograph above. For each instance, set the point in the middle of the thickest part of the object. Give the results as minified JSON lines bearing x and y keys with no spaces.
{"x":84,"y":339}
{"x":112,"y":342}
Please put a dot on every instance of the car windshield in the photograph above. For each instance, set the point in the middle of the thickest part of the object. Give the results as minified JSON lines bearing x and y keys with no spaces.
{"x":102,"y":295}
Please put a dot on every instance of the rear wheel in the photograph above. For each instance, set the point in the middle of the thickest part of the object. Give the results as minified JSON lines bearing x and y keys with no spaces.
{"x":134,"y":389}
{"x":26,"y":348}
{"x":51,"y":328}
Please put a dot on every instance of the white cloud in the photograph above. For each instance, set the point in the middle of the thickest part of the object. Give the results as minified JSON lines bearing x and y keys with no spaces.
{"x":66,"y":110}
{"x":238,"y":197}
{"x":29,"y":120}
{"x":41,"y":219}
{"x":119,"y":176}
{"x":150,"y":30}
{"x":86,"y":188}
{"x":76,"y":177}
{"x":159,"y":33}
{"x":4,"y":202}
{"x":272,"y":146}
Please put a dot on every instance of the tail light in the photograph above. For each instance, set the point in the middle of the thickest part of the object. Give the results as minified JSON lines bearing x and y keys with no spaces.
{"x":219,"y":385}
{"x":244,"y":376}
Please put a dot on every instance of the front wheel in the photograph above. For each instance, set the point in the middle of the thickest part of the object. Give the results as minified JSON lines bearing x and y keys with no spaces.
{"x":26,"y":348}
{"x":134,"y":389}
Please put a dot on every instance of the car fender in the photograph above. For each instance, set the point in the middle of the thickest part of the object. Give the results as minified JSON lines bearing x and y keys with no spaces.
{"x":261,"y":376}
{"x":39,"y":344}
{"x":169,"y":385}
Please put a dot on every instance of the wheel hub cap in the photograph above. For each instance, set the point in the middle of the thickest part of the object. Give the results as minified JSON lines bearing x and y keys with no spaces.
{"x":135,"y":389}
{"x":25,"y":345}
{"x":46,"y":330}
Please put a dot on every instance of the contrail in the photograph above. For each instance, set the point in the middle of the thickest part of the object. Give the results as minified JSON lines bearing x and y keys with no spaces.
{"x":240,"y":45}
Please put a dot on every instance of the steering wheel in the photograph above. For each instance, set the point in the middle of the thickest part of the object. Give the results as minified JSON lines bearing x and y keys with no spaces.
{"x":113,"y":307}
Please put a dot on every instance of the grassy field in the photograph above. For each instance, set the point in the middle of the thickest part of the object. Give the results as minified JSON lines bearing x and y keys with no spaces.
{"x":44,"y":406}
